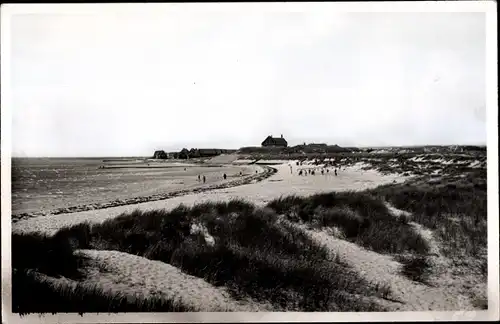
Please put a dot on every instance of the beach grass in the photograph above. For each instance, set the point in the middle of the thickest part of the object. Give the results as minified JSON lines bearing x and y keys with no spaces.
{"x":455,"y":209}
{"x":362,"y":218}
{"x":233,"y":244}
{"x":258,"y":252}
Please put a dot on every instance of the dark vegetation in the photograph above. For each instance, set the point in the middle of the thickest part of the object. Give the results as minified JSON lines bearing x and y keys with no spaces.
{"x":256,"y":254}
{"x":38,"y":258}
{"x":363,"y":219}
{"x":350,"y":155}
{"x":417,"y":268}
{"x":35,"y":293}
{"x":455,"y":208}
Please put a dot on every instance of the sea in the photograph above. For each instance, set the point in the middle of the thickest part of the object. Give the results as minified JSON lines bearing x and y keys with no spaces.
{"x":46,"y":184}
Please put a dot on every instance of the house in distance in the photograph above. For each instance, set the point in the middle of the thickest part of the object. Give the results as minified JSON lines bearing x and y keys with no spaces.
{"x":271,"y":141}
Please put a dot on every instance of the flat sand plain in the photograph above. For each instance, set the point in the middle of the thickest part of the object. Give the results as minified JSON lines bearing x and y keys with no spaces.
{"x":283,"y":183}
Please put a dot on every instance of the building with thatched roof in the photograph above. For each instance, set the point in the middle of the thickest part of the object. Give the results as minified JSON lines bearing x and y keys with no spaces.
{"x":271,"y":141}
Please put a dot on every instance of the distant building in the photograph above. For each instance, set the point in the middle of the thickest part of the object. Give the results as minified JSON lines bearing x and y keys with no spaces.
{"x":274,"y":142}
{"x":203,"y":152}
{"x":160,"y":155}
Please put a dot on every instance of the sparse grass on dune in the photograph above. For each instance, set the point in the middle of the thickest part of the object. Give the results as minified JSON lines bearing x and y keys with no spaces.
{"x":417,"y":268}
{"x":248,"y":250}
{"x":240,"y":247}
{"x":455,"y":208}
{"x":36,"y":256}
{"x":417,"y":164}
{"x":362,"y":218}
{"x":33,"y":293}
{"x":251,"y":253}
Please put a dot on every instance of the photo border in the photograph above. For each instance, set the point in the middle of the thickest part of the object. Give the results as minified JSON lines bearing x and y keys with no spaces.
{"x":488,"y":7}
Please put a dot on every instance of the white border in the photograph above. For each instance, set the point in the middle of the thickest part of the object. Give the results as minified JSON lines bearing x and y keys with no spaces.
{"x":489,"y":7}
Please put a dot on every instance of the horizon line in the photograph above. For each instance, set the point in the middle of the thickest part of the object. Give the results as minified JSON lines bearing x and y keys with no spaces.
{"x":146,"y":156}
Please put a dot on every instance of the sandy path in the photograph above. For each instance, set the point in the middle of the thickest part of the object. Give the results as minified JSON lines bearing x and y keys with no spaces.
{"x":455,"y":280}
{"x":280,"y":184}
{"x":131,"y":275}
{"x":382,"y":269}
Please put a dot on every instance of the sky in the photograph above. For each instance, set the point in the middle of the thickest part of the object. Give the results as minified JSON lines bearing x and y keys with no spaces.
{"x":129,"y":82}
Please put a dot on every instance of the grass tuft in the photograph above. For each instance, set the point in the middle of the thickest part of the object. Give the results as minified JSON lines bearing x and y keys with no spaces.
{"x":363,"y":218}
{"x":416,"y":268}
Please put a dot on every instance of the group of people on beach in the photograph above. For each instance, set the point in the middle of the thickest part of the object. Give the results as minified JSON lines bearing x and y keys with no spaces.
{"x":313,"y":171}
{"x":325,"y":169}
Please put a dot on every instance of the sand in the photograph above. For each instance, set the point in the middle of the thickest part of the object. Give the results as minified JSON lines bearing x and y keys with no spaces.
{"x":447,"y":294}
{"x":282,"y":183}
{"x":132,"y":274}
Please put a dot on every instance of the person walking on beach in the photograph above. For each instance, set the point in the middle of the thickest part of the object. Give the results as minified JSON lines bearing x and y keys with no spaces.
{"x":199,"y":178}
{"x":322,"y":171}
{"x":225,"y":176}
{"x":204,"y":179}
{"x":335,"y":172}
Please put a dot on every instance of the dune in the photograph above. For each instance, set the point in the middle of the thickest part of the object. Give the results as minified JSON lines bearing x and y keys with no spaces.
{"x":131,"y":275}
{"x":379,"y":269}
{"x":122,"y":273}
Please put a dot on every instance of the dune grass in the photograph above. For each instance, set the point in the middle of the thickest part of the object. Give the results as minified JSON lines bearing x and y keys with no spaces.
{"x":35,"y":258}
{"x":247,"y":249}
{"x":363,"y":219}
{"x":50,"y":255}
{"x":417,"y":268}
{"x":455,"y":208}
{"x":34,"y":293}
{"x":236,"y":245}
{"x":240,"y":247}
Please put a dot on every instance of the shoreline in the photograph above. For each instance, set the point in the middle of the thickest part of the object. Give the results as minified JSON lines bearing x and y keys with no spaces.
{"x":277,"y":183}
{"x":267,"y":172}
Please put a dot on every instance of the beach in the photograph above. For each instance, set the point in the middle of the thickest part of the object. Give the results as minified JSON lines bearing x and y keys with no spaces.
{"x":274,"y":180}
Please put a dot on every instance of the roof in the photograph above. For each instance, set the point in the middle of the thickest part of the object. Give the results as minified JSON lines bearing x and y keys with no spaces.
{"x":274,"y":141}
